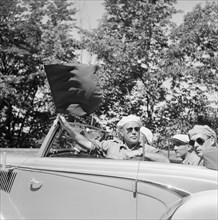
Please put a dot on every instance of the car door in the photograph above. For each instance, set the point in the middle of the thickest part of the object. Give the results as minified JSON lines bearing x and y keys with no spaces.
{"x":73,"y":188}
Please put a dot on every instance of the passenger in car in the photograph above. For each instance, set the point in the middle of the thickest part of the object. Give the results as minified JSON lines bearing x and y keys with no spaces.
{"x":127,"y":146}
{"x":204,"y":141}
{"x":146,"y":139}
{"x":184,"y":151}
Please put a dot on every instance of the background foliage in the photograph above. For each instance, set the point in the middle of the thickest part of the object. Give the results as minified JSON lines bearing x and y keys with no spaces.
{"x":150,"y":67}
{"x":166,"y":74}
{"x":32,"y":33}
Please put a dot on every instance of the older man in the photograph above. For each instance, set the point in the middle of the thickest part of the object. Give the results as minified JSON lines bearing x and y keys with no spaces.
{"x":126,"y":147}
{"x":184,"y":151}
{"x":204,"y":141}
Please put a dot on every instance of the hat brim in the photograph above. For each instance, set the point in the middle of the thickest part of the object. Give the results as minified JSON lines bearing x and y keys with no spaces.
{"x":178,"y":141}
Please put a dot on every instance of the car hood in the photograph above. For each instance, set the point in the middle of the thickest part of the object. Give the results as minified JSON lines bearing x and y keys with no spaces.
{"x":16,"y":156}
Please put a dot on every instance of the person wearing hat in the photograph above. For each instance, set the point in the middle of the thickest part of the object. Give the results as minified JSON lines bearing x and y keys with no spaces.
{"x":146,"y":139}
{"x":184,"y":151}
{"x":204,"y":141}
{"x":127,"y":146}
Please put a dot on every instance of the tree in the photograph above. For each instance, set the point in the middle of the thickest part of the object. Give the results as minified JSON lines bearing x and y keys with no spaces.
{"x":129,"y":44}
{"x":150,"y":67}
{"x":31,"y":34}
{"x":192,"y":64}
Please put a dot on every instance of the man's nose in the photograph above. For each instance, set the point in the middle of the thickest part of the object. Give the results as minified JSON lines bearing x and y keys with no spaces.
{"x":196,"y":144}
{"x":134,"y":131}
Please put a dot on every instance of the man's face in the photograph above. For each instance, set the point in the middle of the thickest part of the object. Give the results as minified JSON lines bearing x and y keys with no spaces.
{"x":181,"y":149}
{"x":200,"y":142}
{"x":131,"y":133}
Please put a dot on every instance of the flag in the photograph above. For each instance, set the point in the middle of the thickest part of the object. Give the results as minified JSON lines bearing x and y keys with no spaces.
{"x":210,"y":157}
{"x":74,"y":88}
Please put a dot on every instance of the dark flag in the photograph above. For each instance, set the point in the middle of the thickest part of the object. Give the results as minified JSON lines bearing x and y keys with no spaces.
{"x":211,"y":158}
{"x":73,"y":88}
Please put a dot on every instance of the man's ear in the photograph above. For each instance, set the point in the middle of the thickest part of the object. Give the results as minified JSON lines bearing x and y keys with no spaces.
{"x":190,"y":148}
{"x":212,"y":141}
{"x":120,"y":134}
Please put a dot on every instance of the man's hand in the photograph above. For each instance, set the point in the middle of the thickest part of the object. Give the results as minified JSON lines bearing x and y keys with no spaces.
{"x":80,"y":139}
{"x":66,"y":126}
{"x":64,"y":122}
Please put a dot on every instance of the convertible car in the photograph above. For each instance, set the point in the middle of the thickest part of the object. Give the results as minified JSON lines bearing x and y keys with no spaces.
{"x":62,"y":181}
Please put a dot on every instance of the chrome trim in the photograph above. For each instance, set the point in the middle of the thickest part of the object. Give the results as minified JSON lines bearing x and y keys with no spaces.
{"x":7,"y":179}
{"x":63,"y":171}
{"x":168,"y":214}
{"x":67,"y":174}
{"x":3,"y":161}
{"x":181,"y":193}
{"x":134,"y":188}
{"x":48,"y":139}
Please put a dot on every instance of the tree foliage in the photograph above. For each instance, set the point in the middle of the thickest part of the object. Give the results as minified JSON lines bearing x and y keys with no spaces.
{"x":166,"y":74}
{"x":150,"y":67}
{"x":32,"y":33}
{"x":130,"y":43}
{"x":193,"y":66}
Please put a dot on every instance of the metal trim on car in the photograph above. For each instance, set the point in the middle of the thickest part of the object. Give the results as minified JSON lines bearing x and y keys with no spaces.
{"x":177,"y":191}
{"x":170,"y":188}
{"x":6,"y":180}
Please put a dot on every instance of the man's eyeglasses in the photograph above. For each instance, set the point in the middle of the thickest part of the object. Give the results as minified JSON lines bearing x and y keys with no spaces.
{"x":200,"y":141}
{"x":129,"y":130}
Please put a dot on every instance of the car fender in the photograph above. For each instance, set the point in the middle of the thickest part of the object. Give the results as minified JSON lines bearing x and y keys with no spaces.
{"x":202,"y":205}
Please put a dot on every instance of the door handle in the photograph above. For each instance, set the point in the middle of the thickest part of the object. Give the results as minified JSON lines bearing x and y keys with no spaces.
{"x":35,"y":184}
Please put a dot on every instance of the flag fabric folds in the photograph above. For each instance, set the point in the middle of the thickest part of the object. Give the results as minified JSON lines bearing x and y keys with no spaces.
{"x":73,"y":88}
{"x":211,"y":158}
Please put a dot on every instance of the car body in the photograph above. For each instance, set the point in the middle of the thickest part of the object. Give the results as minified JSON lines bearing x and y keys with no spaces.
{"x":56,"y":182}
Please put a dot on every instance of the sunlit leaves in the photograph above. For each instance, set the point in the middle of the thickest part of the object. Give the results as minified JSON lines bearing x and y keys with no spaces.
{"x":31,"y":34}
{"x":153,"y":69}
{"x":194,"y":54}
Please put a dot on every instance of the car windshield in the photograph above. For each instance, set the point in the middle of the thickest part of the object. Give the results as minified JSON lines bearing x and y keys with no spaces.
{"x":63,"y":145}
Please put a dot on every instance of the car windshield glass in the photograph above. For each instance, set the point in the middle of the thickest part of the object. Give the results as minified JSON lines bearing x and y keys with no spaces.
{"x":65,"y":146}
